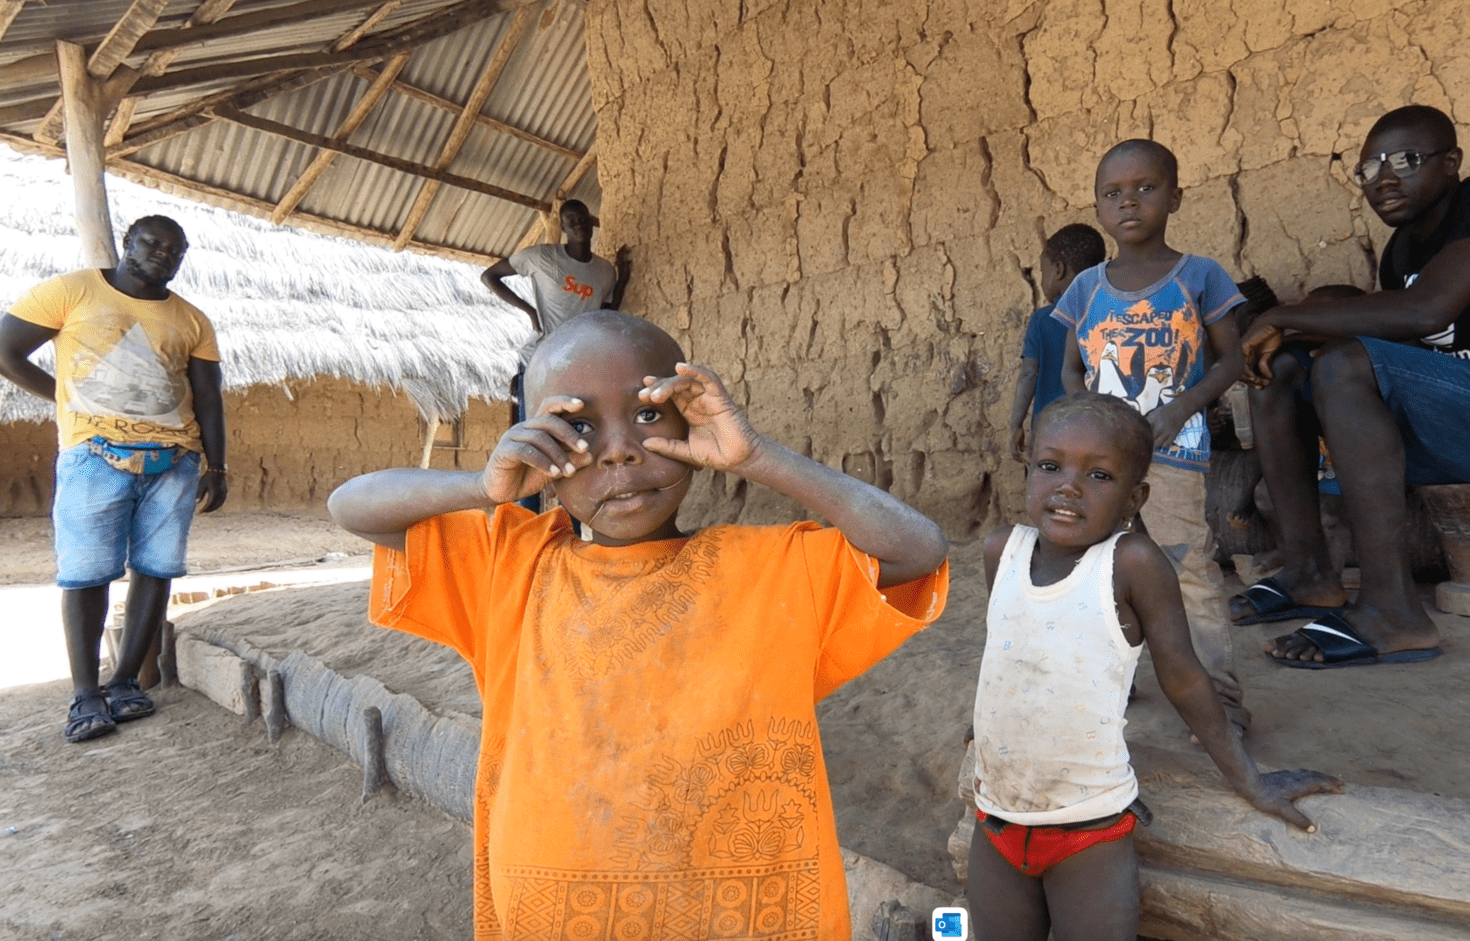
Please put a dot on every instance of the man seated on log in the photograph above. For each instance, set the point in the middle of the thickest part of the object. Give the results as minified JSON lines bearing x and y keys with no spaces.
{"x":1387,"y":391}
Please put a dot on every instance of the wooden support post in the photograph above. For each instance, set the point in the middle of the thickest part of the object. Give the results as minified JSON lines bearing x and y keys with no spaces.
{"x":275,"y":706}
{"x":168,"y":655}
{"x":88,"y":102}
{"x":116,"y":46}
{"x":374,"y":766}
{"x":250,"y":694}
{"x":431,"y":430}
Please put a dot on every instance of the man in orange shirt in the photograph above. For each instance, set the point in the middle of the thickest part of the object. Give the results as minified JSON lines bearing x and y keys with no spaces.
{"x":649,"y":759}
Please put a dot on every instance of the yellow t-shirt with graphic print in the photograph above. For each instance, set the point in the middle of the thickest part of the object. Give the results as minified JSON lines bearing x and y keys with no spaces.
{"x":122,"y":363}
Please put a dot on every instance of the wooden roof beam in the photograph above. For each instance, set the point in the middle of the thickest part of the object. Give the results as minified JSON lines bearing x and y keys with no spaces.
{"x":394,"y":163}
{"x":351,"y":37}
{"x":9,"y":10}
{"x":116,"y":46}
{"x":583,"y":167}
{"x":157,"y":64}
{"x":192,"y":116}
{"x":466,"y":120}
{"x":242,"y":24}
{"x":546,"y":223}
{"x":352,"y":122}
{"x":198,"y":112}
{"x":484,"y":120}
{"x":423,"y":30}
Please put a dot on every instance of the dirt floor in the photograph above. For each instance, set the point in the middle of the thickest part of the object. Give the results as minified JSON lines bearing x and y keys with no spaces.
{"x":217,"y":541}
{"x":189,"y":825}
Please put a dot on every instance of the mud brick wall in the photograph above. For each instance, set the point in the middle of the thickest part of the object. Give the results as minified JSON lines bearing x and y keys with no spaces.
{"x":289,"y":446}
{"x":839,"y":205}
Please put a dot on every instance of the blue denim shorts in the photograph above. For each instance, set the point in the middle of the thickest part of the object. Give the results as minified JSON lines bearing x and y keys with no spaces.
{"x":1428,"y":394}
{"x":108,"y":520}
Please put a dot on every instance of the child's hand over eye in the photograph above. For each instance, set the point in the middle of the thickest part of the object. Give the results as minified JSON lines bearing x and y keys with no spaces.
{"x":1277,"y":792}
{"x":720,"y":436}
{"x":535,"y":452}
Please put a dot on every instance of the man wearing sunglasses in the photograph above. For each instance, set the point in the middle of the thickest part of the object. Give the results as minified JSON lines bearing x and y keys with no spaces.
{"x":1385,"y":379}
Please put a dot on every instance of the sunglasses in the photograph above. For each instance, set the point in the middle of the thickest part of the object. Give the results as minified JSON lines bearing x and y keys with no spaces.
{"x":1403,"y":162}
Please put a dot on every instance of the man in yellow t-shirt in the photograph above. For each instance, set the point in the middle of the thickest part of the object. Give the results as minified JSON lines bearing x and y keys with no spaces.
{"x":137,"y":392}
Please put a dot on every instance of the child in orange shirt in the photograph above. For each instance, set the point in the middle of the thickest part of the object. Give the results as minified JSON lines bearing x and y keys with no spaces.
{"x":649,"y":763}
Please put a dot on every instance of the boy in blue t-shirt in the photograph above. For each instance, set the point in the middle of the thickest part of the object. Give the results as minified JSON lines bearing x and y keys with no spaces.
{"x":1071,"y":249}
{"x":1153,"y":328}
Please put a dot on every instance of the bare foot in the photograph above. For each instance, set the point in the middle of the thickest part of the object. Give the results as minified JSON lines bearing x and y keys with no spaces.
{"x":1240,"y":517}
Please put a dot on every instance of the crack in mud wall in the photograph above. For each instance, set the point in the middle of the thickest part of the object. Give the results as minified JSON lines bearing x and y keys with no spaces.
{"x":838,"y":205}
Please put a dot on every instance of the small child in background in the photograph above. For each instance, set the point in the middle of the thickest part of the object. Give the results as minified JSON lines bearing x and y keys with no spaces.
{"x":1071,"y":249}
{"x":649,"y":759}
{"x":1153,"y":327}
{"x":1073,"y":597}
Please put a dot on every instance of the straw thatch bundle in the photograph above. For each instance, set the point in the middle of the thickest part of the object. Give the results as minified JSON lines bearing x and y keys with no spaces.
{"x":287,"y":305}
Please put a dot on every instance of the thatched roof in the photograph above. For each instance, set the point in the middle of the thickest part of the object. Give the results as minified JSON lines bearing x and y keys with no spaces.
{"x":287,"y":305}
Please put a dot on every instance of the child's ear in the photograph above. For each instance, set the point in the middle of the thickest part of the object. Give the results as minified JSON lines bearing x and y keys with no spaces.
{"x":1137,"y":498}
{"x":1178,"y":198}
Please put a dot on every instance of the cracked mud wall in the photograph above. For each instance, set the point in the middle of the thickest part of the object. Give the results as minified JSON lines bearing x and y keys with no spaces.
{"x":838,"y":205}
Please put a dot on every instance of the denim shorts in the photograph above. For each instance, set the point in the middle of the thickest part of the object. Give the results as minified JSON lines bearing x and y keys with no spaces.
{"x":108,"y":520}
{"x":1428,"y":395}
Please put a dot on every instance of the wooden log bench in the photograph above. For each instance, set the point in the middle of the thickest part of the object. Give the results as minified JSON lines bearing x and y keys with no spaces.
{"x":1384,"y":863}
{"x":1448,"y":508}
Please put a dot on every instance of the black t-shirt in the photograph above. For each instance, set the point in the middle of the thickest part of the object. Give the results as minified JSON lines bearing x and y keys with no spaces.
{"x":1402,"y":261}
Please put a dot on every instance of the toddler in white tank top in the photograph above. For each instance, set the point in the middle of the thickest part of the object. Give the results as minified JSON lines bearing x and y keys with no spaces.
{"x":1073,"y":597}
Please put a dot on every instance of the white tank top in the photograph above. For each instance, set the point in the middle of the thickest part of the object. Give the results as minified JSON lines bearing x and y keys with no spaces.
{"x":1053,"y":687}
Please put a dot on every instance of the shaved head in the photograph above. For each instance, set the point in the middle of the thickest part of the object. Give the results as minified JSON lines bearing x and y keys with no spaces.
{"x":1431,"y":121}
{"x":591,"y":336}
{"x":1162,"y":157}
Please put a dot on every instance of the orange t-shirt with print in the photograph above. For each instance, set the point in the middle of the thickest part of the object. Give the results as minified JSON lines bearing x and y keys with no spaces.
{"x":649,"y":762}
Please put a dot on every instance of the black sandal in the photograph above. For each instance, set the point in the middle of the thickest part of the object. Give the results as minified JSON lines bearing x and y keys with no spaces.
{"x":83,"y":723}
{"x":126,"y":701}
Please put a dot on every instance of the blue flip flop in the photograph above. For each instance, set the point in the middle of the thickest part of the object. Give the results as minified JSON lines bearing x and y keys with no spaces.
{"x":1342,"y":647}
{"x":1272,"y":603}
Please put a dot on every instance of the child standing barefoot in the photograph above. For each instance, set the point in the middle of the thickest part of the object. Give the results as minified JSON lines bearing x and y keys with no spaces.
{"x":649,"y":759}
{"x":1072,"y":600}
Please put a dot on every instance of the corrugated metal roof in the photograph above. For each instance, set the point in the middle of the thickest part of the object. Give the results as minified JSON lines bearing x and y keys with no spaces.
{"x":543,"y":90}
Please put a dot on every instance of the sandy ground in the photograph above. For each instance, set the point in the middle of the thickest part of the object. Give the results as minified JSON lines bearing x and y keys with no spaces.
{"x":217,"y":541}
{"x":197,"y":828}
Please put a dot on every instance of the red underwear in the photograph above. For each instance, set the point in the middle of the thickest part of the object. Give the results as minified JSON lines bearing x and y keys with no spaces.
{"x":1034,"y":850}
